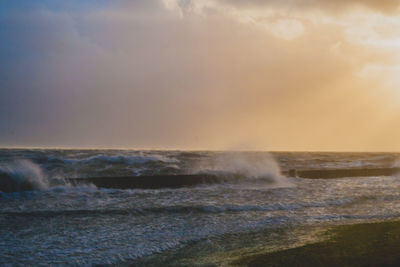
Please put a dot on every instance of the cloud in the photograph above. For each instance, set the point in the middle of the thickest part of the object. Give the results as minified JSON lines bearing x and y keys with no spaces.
{"x":146,"y":74}
{"x":389,"y":6}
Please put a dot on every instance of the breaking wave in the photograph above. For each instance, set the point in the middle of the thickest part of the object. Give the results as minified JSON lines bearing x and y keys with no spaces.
{"x":24,"y":175}
{"x":118,"y":159}
{"x":250,"y":167}
{"x":155,"y":171}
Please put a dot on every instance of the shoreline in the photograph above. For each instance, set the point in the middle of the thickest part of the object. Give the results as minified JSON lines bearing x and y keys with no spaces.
{"x":365,"y":244}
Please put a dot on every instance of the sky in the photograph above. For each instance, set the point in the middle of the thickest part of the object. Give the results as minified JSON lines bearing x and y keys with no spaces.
{"x":308,"y":75}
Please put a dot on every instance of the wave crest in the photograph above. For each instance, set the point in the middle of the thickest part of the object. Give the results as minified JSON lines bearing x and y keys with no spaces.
{"x":251,"y":167}
{"x":24,"y":175}
{"x":119,"y":159}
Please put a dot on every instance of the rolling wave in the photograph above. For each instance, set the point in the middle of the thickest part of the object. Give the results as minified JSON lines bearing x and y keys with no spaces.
{"x":212,"y":209}
{"x":24,"y":175}
{"x":117,"y":159}
{"x":103,"y":171}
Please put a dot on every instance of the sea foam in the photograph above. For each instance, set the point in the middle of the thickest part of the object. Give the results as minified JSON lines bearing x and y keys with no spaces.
{"x":25,"y":175}
{"x":20,"y":175}
{"x":251,"y":167}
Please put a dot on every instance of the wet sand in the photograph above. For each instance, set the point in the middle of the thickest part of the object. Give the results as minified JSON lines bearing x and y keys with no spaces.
{"x":371,"y":244}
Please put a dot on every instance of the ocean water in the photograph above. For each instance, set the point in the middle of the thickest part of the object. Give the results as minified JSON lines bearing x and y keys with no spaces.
{"x":56,"y":223}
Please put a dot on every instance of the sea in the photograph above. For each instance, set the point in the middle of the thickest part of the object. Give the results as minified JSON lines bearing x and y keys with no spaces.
{"x":59,"y":223}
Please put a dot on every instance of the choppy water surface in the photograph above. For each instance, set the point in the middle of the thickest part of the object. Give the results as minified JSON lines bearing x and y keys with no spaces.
{"x":61,"y":224}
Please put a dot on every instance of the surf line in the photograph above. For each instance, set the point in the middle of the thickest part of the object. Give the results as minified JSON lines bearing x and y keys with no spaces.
{"x":7,"y":182}
{"x":150,"y":182}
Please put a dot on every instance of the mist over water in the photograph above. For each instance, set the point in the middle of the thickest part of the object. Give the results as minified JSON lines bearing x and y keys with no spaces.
{"x":57,"y":223}
{"x":38,"y":171}
{"x":24,"y":173}
{"x":251,"y":166}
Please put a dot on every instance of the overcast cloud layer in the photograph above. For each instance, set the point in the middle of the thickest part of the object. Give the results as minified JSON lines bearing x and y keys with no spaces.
{"x":228,"y":74}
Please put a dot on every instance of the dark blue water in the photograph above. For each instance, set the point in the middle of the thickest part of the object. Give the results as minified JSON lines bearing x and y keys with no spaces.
{"x":58,"y":223}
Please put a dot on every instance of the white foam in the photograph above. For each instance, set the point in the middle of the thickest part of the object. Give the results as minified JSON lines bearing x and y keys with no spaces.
{"x":119,"y":159}
{"x":25,"y":172}
{"x":255,"y":168}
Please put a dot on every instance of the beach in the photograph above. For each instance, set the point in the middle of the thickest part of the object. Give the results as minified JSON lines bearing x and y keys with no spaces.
{"x":372,"y":244}
{"x":362,"y":244}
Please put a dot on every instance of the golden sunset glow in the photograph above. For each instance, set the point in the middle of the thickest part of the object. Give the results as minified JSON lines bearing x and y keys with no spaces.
{"x":212,"y":74}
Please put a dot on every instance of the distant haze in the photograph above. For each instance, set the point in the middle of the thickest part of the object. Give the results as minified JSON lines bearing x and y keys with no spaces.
{"x":212,"y":74}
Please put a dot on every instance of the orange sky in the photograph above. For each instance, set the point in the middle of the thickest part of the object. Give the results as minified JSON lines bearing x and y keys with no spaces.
{"x":212,"y":74}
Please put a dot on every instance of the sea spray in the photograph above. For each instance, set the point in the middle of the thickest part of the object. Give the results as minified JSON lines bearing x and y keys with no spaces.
{"x":25,"y":175}
{"x":251,"y":167}
{"x":21,"y":175}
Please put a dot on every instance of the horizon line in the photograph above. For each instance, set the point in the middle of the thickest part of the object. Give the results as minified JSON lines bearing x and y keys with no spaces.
{"x":188,"y":149}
